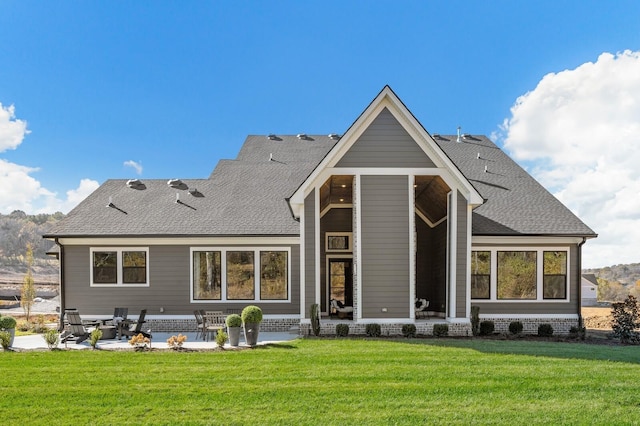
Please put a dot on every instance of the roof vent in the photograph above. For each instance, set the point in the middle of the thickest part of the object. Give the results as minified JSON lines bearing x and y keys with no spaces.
{"x":136,"y":184}
{"x":194,"y":192}
{"x":458,"y":139}
{"x":272,"y":137}
{"x":302,"y":136}
{"x":177,"y":184}
{"x":334,"y":136}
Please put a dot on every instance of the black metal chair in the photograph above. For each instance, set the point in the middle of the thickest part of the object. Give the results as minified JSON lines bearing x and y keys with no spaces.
{"x":124,"y":327}
{"x":77,"y":331}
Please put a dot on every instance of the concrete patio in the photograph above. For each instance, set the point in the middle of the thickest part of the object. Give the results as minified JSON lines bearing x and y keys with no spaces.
{"x":159,"y":341}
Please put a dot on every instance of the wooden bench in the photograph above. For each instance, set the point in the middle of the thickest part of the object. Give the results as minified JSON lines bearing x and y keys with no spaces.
{"x":214,"y":321}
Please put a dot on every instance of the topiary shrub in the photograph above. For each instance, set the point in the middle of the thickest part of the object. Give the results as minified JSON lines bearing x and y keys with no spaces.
{"x":440,"y":330}
{"x":373,"y":330}
{"x":475,"y":320}
{"x":342,"y":330}
{"x":7,"y":323}
{"x":221,"y":338}
{"x":409,"y":330}
{"x":486,"y":328}
{"x":545,"y":330}
{"x":251,"y":315}
{"x":233,"y":320}
{"x":515,"y":327}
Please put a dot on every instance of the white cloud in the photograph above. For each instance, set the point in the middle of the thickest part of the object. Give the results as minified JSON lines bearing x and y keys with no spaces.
{"x":21,"y":191}
{"x":578,"y":132}
{"x":137,"y":166}
{"x":12,"y":131}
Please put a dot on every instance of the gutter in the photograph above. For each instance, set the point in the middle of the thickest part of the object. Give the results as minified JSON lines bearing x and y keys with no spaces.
{"x":62,"y":280}
{"x":580,"y":322}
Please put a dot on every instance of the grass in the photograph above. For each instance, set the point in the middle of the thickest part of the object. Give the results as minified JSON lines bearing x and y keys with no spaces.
{"x":327,"y":381}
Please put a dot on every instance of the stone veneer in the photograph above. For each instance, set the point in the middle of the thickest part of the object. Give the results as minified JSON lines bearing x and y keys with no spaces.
{"x":189,"y":324}
{"x":530,"y":325}
{"x":328,"y":328}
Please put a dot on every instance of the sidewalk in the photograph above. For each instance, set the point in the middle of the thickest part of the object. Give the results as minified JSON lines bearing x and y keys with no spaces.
{"x":159,"y":341}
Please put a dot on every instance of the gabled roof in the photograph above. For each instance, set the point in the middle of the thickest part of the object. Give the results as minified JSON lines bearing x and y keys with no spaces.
{"x":590,"y":278}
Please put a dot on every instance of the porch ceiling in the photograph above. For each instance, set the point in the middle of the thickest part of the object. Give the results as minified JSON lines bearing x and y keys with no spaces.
{"x":431,"y":197}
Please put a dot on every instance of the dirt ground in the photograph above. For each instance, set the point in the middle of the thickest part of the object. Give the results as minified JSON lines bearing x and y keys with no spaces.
{"x":598,"y":318}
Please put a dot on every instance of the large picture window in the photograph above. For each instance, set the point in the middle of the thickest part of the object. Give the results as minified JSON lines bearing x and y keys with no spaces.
{"x":119,"y":266}
{"x":522,"y":274}
{"x":207,"y":275}
{"x":240,"y":274}
{"x":480,"y":274}
{"x":517,"y":275}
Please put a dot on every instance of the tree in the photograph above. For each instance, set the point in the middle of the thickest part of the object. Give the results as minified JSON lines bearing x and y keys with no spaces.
{"x":28,"y":292}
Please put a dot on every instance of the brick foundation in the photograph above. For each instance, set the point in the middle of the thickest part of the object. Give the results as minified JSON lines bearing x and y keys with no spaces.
{"x":561,"y":326}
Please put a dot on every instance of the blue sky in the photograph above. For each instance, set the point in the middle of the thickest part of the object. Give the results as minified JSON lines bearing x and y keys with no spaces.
{"x":98,"y":90}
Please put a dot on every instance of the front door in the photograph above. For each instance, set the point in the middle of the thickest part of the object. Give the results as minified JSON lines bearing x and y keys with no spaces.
{"x":341,"y":281}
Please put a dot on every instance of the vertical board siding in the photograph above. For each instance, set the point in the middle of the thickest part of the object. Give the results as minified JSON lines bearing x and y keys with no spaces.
{"x":169,"y":286}
{"x":385,"y":246}
{"x":310,"y":251}
{"x":461,"y":257}
{"x":385,"y":143}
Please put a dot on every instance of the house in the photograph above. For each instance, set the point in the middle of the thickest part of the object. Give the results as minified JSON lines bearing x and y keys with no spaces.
{"x":589,"y":290}
{"x":376,"y":218}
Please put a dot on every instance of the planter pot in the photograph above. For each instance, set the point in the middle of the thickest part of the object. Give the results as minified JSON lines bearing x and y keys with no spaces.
{"x":251,"y":331}
{"x":234,"y":335}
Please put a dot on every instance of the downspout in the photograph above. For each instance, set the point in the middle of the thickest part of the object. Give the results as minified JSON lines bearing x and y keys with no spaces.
{"x":61,"y":276}
{"x":580,"y":323}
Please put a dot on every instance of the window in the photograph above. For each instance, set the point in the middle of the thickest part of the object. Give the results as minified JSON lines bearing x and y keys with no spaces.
{"x":207,"y":275}
{"x":338,"y":241}
{"x":240,"y":274}
{"x":480,"y":274}
{"x":517,"y":275}
{"x":273,"y":275}
{"x":119,"y":266}
{"x":522,"y":274}
{"x":555,"y":275}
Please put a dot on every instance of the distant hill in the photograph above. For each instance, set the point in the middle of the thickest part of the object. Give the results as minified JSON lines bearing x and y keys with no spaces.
{"x":18,"y":229}
{"x":616,"y":282}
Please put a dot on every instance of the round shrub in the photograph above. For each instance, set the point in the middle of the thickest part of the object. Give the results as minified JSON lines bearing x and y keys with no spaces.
{"x":251,"y":314}
{"x":486,"y":328}
{"x":373,"y":330}
{"x":409,"y":330}
{"x":515,"y":327}
{"x":233,"y":320}
{"x":7,"y":323}
{"x":545,"y":330}
{"x":440,"y":330}
{"x":342,"y":330}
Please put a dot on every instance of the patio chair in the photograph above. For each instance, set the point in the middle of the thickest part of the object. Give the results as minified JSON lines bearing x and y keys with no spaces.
{"x":421,"y":308}
{"x":124,"y":328}
{"x":200,"y":326}
{"x":214,"y":321}
{"x":77,"y":331}
{"x":342,"y":310}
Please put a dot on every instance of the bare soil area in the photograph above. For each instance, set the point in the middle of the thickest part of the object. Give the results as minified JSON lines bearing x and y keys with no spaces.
{"x":597,"y":318}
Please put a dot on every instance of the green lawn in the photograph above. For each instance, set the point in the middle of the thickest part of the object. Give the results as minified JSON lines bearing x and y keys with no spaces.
{"x":326,"y":381}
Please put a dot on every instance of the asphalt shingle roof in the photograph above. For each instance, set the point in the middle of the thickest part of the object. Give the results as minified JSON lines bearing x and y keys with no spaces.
{"x":247,"y":196}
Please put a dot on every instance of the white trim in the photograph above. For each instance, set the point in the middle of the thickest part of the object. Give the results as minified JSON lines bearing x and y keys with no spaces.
{"x":303,"y":268}
{"x":223,"y":274}
{"x":359,"y":259}
{"x":179,"y":241}
{"x":459,"y":320}
{"x":318,"y":242}
{"x":190,"y":317}
{"x":427,"y":221}
{"x":505,"y":240}
{"x":530,"y":316}
{"x":453,"y":247}
{"x":119,"y":267}
{"x":349,"y":249}
{"x":468,"y":269}
{"x":335,"y":206}
{"x":493,"y":286}
{"x":412,"y":245}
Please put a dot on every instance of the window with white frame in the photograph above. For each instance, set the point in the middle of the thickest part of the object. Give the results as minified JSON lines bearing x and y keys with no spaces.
{"x":519,"y":274}
{"x":339,"y":241}
{"x":119,"y":266}
{"x":240,"y":274}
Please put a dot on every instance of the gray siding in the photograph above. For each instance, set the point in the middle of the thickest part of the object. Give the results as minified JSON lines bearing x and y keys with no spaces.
{"x":170,"y":286}
{"x":504,"y":307}
{"x":385,"y":246}
{"x":310,"y":252}
{"x":461,"y":257}
{"x":385,"y":143}
{"x":335,"y":220}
